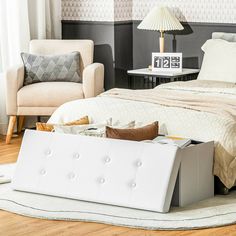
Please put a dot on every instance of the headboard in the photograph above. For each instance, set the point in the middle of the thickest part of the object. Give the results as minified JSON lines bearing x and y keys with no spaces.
{"x":231,"y":37}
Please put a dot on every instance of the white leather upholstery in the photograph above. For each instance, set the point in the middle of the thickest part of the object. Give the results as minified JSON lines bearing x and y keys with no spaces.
{"x":125,"y":173}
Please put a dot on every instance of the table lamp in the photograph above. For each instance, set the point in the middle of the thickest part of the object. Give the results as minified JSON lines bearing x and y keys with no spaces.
{"x":160,"y":19}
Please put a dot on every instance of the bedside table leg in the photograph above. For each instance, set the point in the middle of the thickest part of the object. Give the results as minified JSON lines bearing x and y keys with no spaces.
{"x":129,"y":82}
{"x":146,"y":79}
{"x":153,"y":85}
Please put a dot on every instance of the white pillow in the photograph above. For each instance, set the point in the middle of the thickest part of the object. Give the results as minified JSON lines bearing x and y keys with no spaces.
{"x":97,"y":130}
{"x":219,"y":62}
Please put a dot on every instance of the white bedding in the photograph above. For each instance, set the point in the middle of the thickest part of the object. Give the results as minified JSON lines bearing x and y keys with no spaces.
{"x":173,"y":121}
{"x":198,"y":125}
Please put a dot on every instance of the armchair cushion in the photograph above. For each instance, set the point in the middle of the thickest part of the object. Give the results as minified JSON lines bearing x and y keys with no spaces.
{"x":47,"y":68}
{"x":49,"y":94}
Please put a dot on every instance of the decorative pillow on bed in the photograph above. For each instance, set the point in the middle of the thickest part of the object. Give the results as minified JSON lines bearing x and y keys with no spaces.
{"x":147,"y":132}
{"x":40,"y":68}
{"x":50,"y":127}
{"x":219,"y":62}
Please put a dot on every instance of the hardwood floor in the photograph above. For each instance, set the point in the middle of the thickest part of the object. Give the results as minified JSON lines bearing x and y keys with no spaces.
{"x":12,"y":224}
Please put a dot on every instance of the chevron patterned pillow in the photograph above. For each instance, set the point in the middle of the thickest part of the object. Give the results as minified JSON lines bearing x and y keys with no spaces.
{"x":39,"y":68}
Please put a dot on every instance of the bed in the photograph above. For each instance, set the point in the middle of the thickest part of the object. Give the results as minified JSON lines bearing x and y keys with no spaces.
{"x":203,"y":110}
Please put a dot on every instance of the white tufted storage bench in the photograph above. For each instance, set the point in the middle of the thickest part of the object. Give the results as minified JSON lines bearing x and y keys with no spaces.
{"x":118,"y":172}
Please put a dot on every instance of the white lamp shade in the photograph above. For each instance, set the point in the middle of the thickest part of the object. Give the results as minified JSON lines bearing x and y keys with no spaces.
{"x":160,"y":19}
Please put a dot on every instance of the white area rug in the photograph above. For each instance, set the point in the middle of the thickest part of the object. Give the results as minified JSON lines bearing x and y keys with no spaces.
{"x":217,"y":211}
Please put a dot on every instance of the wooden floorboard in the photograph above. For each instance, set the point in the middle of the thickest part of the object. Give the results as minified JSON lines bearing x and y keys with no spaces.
{"x":12,"y":224}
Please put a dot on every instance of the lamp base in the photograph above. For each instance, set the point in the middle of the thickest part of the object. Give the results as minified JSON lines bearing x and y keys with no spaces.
{"x":161,"y":44}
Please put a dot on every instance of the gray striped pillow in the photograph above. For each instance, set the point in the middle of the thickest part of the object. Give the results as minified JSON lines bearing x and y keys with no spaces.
{"x":39,"y":68}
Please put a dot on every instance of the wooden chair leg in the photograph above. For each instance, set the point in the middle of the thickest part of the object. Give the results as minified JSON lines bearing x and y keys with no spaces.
{"x":11,"y":125}
{"x":20,"y":124}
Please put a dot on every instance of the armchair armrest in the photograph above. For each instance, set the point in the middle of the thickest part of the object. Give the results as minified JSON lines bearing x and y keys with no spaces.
{"x":93,"y":80}
{"x":14,"y":81}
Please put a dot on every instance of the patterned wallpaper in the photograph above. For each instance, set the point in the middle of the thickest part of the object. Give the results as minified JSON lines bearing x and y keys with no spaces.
{"x":88,"y":10}
{"x":123,"y":10}
{"x":212,"y":11}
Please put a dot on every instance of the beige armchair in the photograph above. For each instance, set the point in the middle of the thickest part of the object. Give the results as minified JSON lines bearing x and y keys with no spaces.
{"x":42,"y":99}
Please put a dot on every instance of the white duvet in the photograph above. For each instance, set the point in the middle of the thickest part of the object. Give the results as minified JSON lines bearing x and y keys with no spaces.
{"x":198,"y":125}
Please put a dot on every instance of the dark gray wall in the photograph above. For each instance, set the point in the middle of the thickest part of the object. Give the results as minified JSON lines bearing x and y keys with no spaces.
{"x":113,"y":46}
{"x":121,"y":46}
{"x":123,"y":52}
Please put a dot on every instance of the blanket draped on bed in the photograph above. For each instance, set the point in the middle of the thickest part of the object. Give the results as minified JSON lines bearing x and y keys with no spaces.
{"x":218,"y":98}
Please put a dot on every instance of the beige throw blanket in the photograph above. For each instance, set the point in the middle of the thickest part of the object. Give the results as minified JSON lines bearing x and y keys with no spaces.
{"x":218,"y":98}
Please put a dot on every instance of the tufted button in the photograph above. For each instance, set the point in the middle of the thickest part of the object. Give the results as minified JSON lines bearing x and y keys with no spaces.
{"x":133,"y":185}
{"x":76,"y":156}
{"x":101,"y":180}
{"x":42,"y":172}
{"x":48,"y":152}
{"x":139,"y":163}
{"x":107,"y":159}
{"x":71,"y":176}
